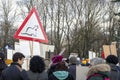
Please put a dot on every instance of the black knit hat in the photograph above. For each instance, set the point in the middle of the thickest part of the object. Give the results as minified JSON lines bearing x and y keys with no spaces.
{"x":112,"y":59}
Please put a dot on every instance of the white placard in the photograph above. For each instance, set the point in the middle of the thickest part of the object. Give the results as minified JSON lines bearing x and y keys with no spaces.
{"x":81,"y":72}
{"x":36,"y":48}
{"x":10,"y":53}
{"x":92,"y":55}
{"x":25,"y":47}
{"x":17,"y":47}
{"x":30,"y":48}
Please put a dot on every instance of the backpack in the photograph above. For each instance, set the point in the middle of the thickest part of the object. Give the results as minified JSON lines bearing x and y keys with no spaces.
{"x":99,"y":75}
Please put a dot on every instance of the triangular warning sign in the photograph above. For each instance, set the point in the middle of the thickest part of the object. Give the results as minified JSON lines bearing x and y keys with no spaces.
{"x":32,"y":29}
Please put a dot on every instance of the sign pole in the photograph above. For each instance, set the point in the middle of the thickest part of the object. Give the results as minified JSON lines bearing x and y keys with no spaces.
{"x":31,"y":48}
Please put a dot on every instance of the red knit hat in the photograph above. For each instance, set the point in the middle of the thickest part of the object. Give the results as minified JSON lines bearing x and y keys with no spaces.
{"x":56,"y":59}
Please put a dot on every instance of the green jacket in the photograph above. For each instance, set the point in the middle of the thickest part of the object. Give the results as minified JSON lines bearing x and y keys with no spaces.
{"x":99,"y":76}
{"x":98,"y":72}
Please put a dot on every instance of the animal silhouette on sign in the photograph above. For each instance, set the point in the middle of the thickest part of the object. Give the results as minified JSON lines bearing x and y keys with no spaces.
{"x":31,"y":31}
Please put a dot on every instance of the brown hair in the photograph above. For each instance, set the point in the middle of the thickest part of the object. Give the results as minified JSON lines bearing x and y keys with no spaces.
{"x":61,"y":66}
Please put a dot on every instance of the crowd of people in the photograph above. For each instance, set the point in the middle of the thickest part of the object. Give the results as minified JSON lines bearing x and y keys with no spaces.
{"x":59,"y":69}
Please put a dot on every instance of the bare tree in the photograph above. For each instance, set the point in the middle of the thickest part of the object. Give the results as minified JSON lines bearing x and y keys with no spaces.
{"x":74,"y":24}
{"x":57,"y":23}
{"x":40,"y":5}
{"x":86,"y":26}
{"x":8,"y":18}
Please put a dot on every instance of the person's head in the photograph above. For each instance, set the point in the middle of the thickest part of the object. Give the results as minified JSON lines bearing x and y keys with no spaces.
{"x":96,"y":61}
{"x":56,"y":59}
{"x":18,"y":57}
{"x":99,"y":68}
{"x":61,"y":66}
{"x":2,"y":56}
{"x":112,"y":59}
{"x":73,"y":60}
{"x":37,"y":64}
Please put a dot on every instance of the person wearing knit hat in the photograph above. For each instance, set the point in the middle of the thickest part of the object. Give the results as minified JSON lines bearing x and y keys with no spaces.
{"x":72,"y":66}
{"x":112,"y":60}
{"x":56,"y":59}
{"x":60,"y":72}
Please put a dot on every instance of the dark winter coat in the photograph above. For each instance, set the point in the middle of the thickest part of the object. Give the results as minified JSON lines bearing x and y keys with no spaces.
{"x":14,"y":72}
{"x":2,"y":67}
{"x":61,"y":75}
{"x":114,"y":73}
{"x":72,"y":70}
{"x":51,"y":70}
{"x":37,"y":76}
{"x":102,"y":70}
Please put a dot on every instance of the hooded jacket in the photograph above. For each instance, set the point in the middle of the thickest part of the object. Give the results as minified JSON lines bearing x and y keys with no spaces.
{"x":60,"y":75}
{"x":101,"y":69}
{"x":72,"y":70}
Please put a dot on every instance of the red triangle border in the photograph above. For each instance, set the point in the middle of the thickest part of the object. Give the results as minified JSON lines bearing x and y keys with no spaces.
{"x":16,"y":35}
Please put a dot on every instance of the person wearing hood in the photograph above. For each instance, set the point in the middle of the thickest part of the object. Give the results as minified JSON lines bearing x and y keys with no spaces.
{"x":99,"y":72}
{"x":98,"y":69}
{"x":55,"y":59}
{"x":112,"y":60}
{"x":60,"y":72}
